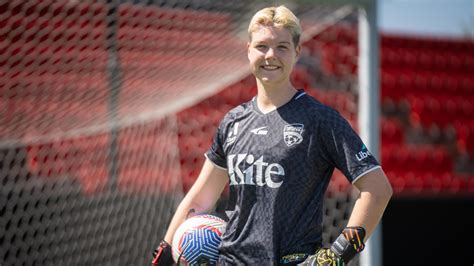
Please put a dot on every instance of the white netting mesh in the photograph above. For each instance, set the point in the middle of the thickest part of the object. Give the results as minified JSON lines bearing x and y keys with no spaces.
{"x":76,"y":67}
{"x":106,"y":109}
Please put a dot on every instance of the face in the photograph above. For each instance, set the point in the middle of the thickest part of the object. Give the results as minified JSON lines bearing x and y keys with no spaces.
{"x":272,"y":54}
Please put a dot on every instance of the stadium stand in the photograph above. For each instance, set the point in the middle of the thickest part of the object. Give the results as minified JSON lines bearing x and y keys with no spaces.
{"x":90,"y":138}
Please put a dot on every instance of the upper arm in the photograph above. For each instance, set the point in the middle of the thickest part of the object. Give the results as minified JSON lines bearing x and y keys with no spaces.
{"x":343,"y":148}
{"x":208,"y":186}
{"x":375,"y":182}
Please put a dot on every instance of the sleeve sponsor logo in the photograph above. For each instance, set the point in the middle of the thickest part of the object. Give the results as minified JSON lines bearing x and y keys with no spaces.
{"x":364,"y":153}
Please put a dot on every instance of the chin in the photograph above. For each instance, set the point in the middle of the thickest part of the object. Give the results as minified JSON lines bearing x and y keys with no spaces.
{"x":270,"y":81}
{"x":271,"y":78}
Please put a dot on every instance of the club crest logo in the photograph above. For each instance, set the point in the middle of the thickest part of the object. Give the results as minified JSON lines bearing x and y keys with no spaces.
{"x":293,"y":134}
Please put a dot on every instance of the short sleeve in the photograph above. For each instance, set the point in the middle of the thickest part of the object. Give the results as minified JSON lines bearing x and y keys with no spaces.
{"x":216,"y":152}
{"x":343,"y":148}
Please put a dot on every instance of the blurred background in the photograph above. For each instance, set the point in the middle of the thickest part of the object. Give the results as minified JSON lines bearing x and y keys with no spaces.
{"x":427,"y":17}
{"x":431,"y":223}
{"x":106,"y":109}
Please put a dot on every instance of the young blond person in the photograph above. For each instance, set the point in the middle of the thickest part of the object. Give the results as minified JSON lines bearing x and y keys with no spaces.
{"x":277,"y":153}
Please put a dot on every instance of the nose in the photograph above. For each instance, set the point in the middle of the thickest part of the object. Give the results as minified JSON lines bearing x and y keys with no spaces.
{"x":270,"y":53}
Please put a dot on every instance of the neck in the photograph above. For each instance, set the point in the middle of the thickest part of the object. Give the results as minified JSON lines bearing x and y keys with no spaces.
{"x":270,"y":98}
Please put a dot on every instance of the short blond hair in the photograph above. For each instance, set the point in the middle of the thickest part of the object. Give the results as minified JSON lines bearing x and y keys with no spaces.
{"x":279,"y":16}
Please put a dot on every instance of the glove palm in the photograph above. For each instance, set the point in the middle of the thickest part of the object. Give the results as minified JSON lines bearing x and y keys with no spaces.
{"x":323,"y":257}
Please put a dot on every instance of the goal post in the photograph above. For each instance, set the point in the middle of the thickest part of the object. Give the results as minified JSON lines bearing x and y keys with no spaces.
{"x":369,"y":108}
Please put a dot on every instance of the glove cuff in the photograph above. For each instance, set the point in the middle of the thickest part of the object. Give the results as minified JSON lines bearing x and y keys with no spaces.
{"x":349,"y":243}
{"x":162,"y":254}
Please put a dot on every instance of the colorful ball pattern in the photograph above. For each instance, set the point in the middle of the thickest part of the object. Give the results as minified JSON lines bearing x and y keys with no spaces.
{"x":197,"y":240}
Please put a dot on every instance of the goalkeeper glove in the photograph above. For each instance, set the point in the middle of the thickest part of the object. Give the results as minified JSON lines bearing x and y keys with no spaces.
{"x":162,"y":255}
{"x":347,"y":245}
{"x":323,"y":257}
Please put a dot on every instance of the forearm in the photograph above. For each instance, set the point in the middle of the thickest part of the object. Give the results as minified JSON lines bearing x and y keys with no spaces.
{"x":368,"y":210}
{"x":186,"y":206}
{"x":201,"y":198}
{"x":375,"y":193}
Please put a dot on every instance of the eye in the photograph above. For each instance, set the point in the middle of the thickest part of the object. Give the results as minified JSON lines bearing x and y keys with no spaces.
{"x":261,"y":46}
{"x":282,"y":47}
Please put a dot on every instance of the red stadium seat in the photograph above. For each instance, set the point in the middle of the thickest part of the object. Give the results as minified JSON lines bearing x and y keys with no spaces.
{"x":465,"y":136}
{"x":59,"y":159}
{"x":392,"y":132}
{"x":176,"y":19}
{"x":416,"y":159}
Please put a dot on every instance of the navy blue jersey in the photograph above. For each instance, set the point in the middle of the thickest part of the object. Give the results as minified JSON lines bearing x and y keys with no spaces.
{"x":279,"y":165}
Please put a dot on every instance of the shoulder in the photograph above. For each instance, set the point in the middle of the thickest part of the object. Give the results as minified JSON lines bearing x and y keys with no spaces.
{"x":319,"y":111}
{"x":324,"y":118}
{"x":236,"y":114}
{"x":238,"y":111}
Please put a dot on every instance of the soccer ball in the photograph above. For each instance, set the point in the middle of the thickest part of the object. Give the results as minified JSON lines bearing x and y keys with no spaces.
{"x":197,"y":239}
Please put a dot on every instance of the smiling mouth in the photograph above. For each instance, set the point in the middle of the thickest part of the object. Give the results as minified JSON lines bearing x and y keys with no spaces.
{"x":270,"y":67}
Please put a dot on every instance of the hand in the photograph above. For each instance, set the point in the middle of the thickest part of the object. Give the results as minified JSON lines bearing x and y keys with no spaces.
{"x":323,"y":257}
{"x":162,"y":255}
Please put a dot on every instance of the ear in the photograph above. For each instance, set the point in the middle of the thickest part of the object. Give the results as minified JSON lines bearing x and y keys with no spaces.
{"x":298,"y":50}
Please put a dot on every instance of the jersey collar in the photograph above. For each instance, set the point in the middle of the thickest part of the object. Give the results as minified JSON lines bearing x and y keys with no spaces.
{"x":295,"y":97}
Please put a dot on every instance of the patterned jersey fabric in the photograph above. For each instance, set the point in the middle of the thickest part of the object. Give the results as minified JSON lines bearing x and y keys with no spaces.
{"x":279,"y":165}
